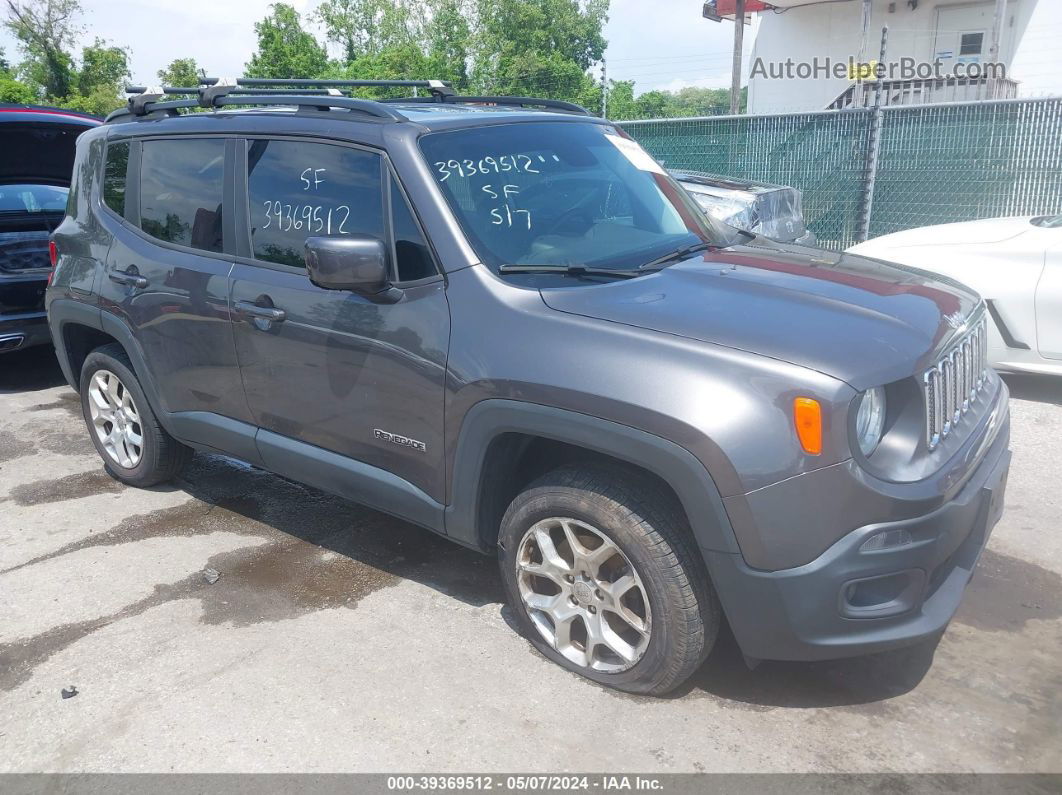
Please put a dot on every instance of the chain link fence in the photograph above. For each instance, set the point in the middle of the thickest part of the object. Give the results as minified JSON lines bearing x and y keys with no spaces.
{"x":935,"y":163}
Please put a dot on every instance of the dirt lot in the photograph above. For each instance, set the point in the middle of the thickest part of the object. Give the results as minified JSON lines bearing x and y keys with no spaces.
{"x":338,"y":639}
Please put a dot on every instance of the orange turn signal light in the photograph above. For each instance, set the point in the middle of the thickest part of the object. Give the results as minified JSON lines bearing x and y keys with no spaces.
{"x":807,"y":416}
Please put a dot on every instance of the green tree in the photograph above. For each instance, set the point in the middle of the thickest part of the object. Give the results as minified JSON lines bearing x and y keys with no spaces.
{"x":415,"y":39}
{"x":11,"y":88}
{"x":285,"y":49}
{"x":180,"y":72}
{"x":15,"y":91}
{"x":542,"y":47}
{"x":448,"y":38}
{"x":97,"y":86}
{"x":45,"y":31}
{"x":103,"y":68}
{"x":357,"y":27}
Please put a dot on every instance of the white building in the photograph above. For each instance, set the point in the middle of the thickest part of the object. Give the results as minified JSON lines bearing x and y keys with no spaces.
{"x":953,"y":33}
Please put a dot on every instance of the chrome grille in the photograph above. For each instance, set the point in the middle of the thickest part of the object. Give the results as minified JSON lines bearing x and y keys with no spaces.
{"x":951,"y":386}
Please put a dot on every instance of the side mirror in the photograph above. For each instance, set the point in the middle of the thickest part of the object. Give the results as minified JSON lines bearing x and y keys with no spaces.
{"x":357,"y":263}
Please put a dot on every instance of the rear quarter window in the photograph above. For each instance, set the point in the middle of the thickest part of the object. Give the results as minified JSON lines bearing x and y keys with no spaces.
{"x":116,"y":166}
{"x":181,"y":188}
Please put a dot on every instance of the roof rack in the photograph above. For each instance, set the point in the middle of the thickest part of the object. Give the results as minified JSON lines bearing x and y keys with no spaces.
{"x":301,"y":82}
{"x":216,"y":92}
{"x":524,"y":102}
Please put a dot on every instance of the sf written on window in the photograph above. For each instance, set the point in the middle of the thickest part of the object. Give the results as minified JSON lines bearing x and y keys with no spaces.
{"x":298,"y":190}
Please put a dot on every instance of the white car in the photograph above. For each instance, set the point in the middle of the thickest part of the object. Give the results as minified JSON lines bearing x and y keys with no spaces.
{"x":1016,"y":266}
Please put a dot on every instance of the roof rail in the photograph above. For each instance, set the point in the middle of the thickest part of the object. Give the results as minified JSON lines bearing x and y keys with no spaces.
{"x":321,"y":101}
{"x":301,"y":82}
{"x":524,"y":102}
{"x":213,"y":92}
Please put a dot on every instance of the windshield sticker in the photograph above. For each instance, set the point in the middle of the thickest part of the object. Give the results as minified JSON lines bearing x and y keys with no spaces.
{"x":639,"y":158}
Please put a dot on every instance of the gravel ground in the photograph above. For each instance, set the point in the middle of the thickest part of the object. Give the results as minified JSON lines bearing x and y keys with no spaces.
{"x":339,"y":639}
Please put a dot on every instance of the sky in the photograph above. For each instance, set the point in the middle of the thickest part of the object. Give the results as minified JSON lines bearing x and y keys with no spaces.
{"x":669,"y":48}
{"x":660,"y":44}
{"x":666,"y":44}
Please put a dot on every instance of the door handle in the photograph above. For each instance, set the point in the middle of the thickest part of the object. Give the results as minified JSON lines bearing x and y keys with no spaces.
{"x":131,"y":279}
{"x":264,"y":312}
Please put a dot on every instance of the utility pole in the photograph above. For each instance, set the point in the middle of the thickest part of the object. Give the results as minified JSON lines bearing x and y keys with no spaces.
{"x":604,"y":89}
{"x":998,"y":21}
{"x":870,"y":173}
{"x":868,"y":9}
{"x":735,"y":73}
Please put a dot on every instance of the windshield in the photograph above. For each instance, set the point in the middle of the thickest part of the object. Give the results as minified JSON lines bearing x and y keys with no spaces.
{"x":568,"y":193}
{"x":32,"y":198}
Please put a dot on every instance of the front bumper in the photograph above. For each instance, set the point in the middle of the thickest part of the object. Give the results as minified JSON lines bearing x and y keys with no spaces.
{"x":851,"y":600}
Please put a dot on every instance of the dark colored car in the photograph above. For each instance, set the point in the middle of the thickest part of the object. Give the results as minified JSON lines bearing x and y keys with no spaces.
{"x":774,"y":211}
{"x":500,"y":319}
{"x":36,"y":158}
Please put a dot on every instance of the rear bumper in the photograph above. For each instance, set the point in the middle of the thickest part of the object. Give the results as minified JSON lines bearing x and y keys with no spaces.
{"x":851,"y":600}
{"x":23,"y":331}
{"x":23,"y":321}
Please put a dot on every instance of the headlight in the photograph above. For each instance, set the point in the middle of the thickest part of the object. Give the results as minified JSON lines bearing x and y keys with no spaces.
{"x":870,"y":419}
{"x":731,"y":212}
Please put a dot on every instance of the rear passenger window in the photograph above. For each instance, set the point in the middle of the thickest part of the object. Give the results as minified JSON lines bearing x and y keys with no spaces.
{"x":298,"y":190}
{"x":411,"y":251}
{"x":181,"y":191}
{"x":116,"y":165}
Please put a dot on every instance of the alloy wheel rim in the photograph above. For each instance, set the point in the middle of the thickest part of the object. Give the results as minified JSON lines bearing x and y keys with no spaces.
{"x":115,"y":419}
{"x":583,"y":595}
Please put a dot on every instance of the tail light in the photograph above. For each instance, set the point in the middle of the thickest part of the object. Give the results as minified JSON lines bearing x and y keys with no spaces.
{"x":53,"y":257}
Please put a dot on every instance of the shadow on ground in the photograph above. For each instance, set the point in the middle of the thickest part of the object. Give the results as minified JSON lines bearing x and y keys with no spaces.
{"x":1040,"y":388}
{"x":829,"y":683}
{"x":30,"y":370}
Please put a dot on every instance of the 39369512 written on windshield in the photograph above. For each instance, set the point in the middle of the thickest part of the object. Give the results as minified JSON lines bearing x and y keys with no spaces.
{"x":561,"y":194}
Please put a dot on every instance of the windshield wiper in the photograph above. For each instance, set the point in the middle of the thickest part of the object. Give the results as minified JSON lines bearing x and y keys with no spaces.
{"x":573,"y":270}
{"x":677,"y":254}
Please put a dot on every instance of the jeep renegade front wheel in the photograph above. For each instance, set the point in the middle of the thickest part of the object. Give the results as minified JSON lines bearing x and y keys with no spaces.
{"x":604,"y":578}
{"x":134,"y":447}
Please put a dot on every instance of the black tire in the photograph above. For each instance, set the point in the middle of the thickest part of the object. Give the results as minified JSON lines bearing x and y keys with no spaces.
{"x":650,"y":529}
{"x":162,"y":457}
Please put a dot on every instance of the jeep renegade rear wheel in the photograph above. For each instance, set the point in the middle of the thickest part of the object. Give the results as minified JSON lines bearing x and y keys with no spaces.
{"x":134,"y":447}
{"x":604,"y":578}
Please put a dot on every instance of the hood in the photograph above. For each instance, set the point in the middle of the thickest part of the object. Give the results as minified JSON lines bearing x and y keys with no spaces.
{"x":967,"y":233}
{"x":37,"y":146}
{"x":862,"y":321}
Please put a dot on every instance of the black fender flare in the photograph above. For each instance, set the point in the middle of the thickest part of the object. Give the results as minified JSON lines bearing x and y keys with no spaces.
{"x":61,"y":313}
{"x":65,"y":311}
{"x":675,"y":465}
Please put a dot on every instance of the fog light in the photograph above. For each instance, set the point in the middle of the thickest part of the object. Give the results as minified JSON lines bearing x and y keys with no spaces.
{"x":887,"y":540}
{"x":882,"y":595}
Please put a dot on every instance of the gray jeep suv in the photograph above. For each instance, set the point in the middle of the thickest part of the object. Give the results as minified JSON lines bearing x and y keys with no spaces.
{"x":500,"y":319}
